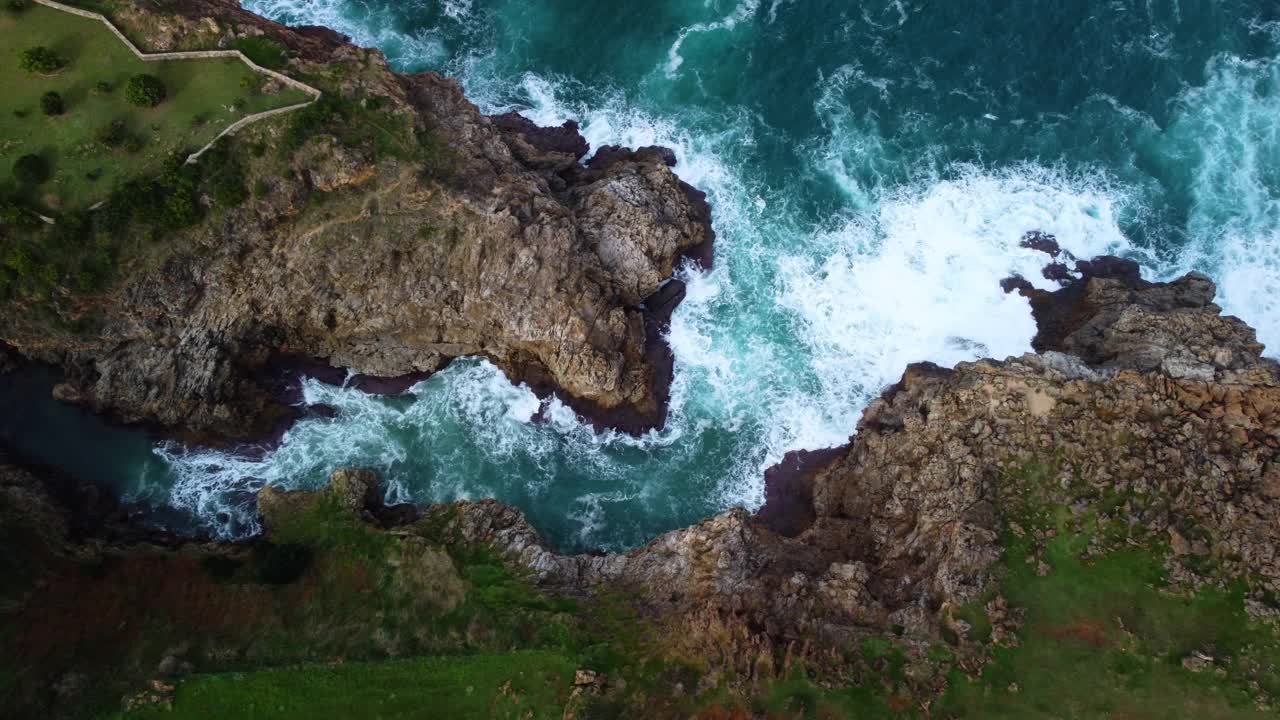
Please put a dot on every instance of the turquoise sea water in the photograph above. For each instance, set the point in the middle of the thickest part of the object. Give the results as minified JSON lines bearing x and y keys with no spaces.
{"x":871,"y":168}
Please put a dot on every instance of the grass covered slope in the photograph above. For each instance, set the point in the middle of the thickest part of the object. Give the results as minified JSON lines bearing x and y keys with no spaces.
{"x":529,"y":685}
{"x":1102,"y":639}
{"x":203,"y":96}
{"x":332,"y":617}
{"x":1106,"y":633}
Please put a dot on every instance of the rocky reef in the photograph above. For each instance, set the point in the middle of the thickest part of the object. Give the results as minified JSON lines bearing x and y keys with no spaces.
{"x":1145,"y":406}
{"x":445,"y":234}
{"x":1146,"y":422}
{"x":1135,"y":454}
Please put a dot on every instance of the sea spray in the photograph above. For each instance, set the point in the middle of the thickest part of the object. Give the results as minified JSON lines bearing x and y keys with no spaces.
{"x":871,"y":172}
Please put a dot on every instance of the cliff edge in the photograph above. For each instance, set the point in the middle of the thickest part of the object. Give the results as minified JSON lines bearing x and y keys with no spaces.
{"x":392,"y":227}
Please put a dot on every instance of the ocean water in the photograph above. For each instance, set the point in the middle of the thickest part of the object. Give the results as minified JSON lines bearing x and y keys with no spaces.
{"x":871,"y":166}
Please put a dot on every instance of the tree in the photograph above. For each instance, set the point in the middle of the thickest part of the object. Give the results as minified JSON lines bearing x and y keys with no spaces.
{"x":40,"y":59}
{"x":31,"y":170}
{"x":144,"y":90}
{"x":51,"y":103}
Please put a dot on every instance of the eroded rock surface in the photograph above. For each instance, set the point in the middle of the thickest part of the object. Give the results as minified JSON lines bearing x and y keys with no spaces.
{"x":1163,"y":428}
{"x":475,"y":237}
{"x":1151,"y":408}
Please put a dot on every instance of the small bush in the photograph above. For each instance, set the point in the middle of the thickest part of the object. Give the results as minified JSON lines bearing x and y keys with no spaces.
{"x":14,"y":214}
{"x":145,"y":90}
{"x":51,"y":104}
{"x":31,"y":170}
{"x":40,"y":59}
{"x":260,"y":188}
{"x":263,"y":52}
{"x":251,"y":82}
{"x":102,"y":87}
{"x":222,"y":168}
{"x":113,"y":134}
{"x":16,"y":6}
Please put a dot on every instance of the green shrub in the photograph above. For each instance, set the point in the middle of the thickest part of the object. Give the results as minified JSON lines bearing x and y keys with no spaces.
{"x":31,"y":170}
{"x":181,"y":209}
{"x":14,"y":214}
{"x":251,"y":82}
{"x":102,"y":86}
{"x":228,"y":189}
{"x":263,"y":52}
{"x":144,"y":90}
{"x":51,"y":103}
{"x":260,"y":188}
{"x":225,"y":175}
{"x":114,"y":134}
{"x":40,"y":59}
{"x":16,"y":6}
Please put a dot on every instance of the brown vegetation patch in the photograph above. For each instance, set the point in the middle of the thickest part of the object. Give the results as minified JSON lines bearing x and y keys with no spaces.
{"x":1086,"y":631}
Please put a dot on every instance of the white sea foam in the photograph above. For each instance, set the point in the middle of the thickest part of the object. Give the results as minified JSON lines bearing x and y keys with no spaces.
{"x":918,"y":277}
{"x":1230,"y":127}
{"x":781,"y":346}
{"x":367,"y":26}
{"x":744,"y":11}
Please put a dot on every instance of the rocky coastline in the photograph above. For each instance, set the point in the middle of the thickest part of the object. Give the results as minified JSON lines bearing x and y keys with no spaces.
{"x":1144,"y":425}
{"x":1146,"y":416}
{"x":469,"y":236}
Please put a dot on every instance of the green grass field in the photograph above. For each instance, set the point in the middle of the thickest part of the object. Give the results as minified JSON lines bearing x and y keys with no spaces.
{"x":529,"y":685}
{"x":204,"y":97}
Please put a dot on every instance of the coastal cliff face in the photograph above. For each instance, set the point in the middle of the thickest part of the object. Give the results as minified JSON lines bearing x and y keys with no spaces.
{"x":443,"y":234}
{"x":1148,"y":418}
{"x":1146,"y":425}
{"x":1143,"y":433}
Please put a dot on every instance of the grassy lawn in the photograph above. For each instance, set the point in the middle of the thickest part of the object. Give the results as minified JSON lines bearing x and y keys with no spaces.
{"x":1104,"y":640}
{"x":203,"y":97}
{"x":526,"y":684}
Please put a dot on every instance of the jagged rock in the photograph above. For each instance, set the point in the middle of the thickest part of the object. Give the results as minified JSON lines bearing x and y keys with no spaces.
{"x":904,"y":523}
{"x":506,"y":248}
{"x":1197,"y":662}
{"x":354,"y":489}
{"x":330,"y":165}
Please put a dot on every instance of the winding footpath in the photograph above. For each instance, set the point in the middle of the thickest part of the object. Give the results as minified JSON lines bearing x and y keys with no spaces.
{"x":196,"y":55}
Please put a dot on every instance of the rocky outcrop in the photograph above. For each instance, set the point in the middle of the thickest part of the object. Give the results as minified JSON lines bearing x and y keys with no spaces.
{"x":1146,"y":406}
{"x":1146,"y":412}
{"x":474,"y":236}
